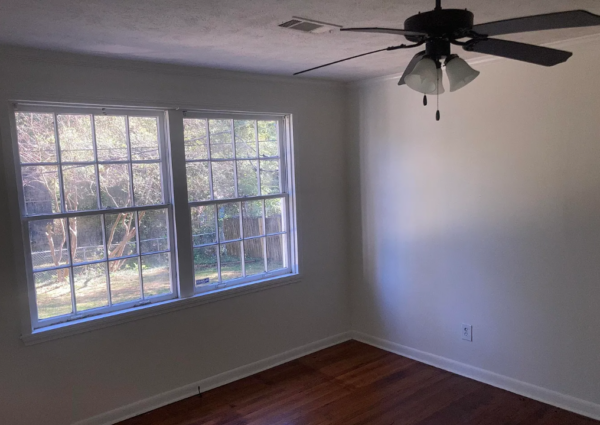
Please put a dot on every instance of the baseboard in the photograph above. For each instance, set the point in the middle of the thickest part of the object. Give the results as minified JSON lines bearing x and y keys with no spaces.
{"x":159,"y":400}
{"x":544,"y":395}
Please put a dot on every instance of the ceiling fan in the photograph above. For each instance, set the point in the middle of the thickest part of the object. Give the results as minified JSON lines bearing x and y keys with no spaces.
{"x":439,"y":28}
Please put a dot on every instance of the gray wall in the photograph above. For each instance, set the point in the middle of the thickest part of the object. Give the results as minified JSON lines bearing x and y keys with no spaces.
{"x":490,"y":217}
{"x":65,"y":380}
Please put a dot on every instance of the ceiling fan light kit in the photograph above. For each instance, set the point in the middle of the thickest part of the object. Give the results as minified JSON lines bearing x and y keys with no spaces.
{"x":459,"y":72}
{"x":439,"y":29}
{"x":426,"y":78}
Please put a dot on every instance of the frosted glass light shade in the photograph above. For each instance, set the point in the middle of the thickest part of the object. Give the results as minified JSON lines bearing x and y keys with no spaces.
{"x":425,"y":77}
{"x":459,"y":73}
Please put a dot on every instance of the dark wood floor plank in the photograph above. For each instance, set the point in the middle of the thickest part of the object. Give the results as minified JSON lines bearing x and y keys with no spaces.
{"x":357,"y":384}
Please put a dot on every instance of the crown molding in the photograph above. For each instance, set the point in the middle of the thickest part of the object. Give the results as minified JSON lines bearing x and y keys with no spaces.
{"x":576,"y":41}
{"x":28,"y":54}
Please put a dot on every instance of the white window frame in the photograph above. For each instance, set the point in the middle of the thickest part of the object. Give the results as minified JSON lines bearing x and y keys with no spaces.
{"x":287,"y":189}
{"x":172,"y":157}
{"x":37,"y":323}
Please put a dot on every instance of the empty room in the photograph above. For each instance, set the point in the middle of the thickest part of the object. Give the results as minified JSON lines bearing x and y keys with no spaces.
{"x":299,"y":212}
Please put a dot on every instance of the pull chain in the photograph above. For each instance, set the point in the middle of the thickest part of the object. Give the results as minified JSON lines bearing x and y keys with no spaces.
{"x":424,"y":100}
{"x":437,"y":89}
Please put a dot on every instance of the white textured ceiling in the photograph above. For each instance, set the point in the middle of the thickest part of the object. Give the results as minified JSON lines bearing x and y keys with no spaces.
{"x":243,"y":34}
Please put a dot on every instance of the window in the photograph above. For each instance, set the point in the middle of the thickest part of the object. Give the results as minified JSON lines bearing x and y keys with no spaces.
{"x":98,"y":211}
{"x":237,"y":201}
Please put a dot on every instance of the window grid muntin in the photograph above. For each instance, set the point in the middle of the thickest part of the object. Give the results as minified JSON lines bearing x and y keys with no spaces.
{"x":283,"y":194}
{"x":67,"y":215}
{"x":97,"y":171}
{"x":130,"y":163}
{"x":61,"y":186}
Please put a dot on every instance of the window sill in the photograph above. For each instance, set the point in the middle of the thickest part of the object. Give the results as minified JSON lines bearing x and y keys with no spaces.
{"x":102,"y":321}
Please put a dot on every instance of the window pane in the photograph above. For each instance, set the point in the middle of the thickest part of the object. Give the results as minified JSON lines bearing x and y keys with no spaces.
{"x":205,"y":265}
{"x":48,"y":241}
{"x":75,"y":138}
{"x":254,"y":259}
{"x":147,"y":187}
{"x":120,"y":234}
{"x":223,"y":181}
{"x":247,"y":174}
{"x":274,"y":209}
{"x":197,"y":181}
{"x":143,"y":138}
{"x":124,"y":280}
{"x":53,"y":293}
{"x":115,"y":190}
{"x":275,"y":252}
{"x":204,"y":225}
{"x":80,"y":187}
{"x":41,"y":190}
{"x":156,"y":274}
{"x":268,"y":144}
{"x":196,"y":143}
{"x":245,"y":139}
{"x":252,"y":218}
{"x":111,"y":138}
{"x":269,"y":177}
{"x":86,"y":238}
{"x":154,"y":234}
{"x":90,"y":286}
{"x":229,"y":221}
{"x":231,"y":264}
{"x":35,"y":133}
{"x":221,"y":145}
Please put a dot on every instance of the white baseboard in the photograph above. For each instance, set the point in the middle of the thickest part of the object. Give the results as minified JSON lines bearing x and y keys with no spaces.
{"x":544,"y":395}
{"x":209,"y":383}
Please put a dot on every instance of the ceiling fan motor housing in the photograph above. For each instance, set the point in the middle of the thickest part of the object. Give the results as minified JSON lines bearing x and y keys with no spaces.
{"x":437,"y":48}
{"x":446,"y":23}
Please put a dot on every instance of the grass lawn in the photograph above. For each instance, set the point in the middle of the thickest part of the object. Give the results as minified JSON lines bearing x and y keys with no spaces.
{"x":53,"y":291}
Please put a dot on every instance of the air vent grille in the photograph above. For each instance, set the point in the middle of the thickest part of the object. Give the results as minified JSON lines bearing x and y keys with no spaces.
{"x":290,"y":23}
{"x":308,"y":25}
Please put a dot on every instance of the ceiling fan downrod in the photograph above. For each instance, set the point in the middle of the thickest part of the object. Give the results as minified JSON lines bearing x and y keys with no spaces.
{"x":438,"y":4}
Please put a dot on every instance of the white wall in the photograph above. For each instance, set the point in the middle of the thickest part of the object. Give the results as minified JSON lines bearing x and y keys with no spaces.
{"x":66,"y":380}
{"x":489,"y":217}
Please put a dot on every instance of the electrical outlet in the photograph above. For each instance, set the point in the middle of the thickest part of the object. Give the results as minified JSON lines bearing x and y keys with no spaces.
{"x":467,"y":332}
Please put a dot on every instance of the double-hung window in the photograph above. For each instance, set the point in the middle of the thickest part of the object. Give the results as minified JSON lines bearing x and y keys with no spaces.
{"x":238,"y":205}
{"x":96,"y":193}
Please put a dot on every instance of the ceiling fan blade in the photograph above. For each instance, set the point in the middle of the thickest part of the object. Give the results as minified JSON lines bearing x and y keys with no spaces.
{"x":401,"y":46}
{"x":518,"y":51}
{"x":386,"y":31}
{"x":338,"y":61}
{"x":549,"y":21}
{"x":411,"y":65}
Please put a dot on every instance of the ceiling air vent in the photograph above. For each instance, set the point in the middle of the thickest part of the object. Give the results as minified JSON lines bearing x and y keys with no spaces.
{"x":308,"y":25}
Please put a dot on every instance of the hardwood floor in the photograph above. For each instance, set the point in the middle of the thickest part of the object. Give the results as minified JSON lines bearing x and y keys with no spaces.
{"x":353,"y":383}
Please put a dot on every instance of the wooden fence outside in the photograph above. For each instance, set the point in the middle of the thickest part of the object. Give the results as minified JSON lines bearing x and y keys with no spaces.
{"x":254,"y":226}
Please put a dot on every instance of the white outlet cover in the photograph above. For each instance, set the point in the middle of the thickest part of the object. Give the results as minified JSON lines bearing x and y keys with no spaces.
{"x":466,"y":332}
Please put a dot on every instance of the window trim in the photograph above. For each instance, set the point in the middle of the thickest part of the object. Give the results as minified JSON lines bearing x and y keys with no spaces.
{"x":171,"y":143}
